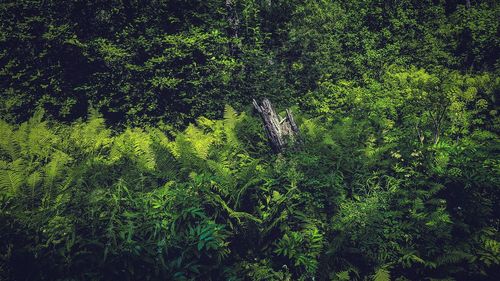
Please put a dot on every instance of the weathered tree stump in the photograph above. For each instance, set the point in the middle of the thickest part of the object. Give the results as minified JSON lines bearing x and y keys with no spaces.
{"x":280,"y":131}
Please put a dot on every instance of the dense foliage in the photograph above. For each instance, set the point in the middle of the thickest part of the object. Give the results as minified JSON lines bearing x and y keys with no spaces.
{"x":148,"y":61}
{"x":119,"y":159}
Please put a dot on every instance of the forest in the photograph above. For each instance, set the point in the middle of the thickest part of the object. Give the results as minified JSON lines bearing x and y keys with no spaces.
{"x":130,"y":148}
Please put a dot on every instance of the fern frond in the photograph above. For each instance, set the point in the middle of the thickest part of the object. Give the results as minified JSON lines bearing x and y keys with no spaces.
{"x":200,"y":141}
{"x":135,"y":144}
{"x":382,"y":274}
{"x":184,"y":152}
{"x":235,"y":214}
{"x":34,"y":179}
{"x":343,"y":275}
{"x":167,"y":166}
{"x":231,"y":118}
{"x":55,"y":166}
{"x":236,"y":196}
{"x":35,"y":138}
{"x":310,"y":127}
{"x":7,"y":145}
{"x":223,"y":176}
{"x":454,"y":257}
{"x":10,"y":181}
{"x":91,"y":135}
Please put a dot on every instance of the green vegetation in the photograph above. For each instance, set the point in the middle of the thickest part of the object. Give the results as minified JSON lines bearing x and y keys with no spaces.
{"x":129,"y":151}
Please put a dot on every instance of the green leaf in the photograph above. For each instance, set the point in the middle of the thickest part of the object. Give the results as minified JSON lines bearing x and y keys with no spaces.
{"x":382,"y":274}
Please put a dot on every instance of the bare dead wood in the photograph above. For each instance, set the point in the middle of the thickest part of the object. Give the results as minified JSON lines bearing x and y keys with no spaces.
{"x":280,"y":131}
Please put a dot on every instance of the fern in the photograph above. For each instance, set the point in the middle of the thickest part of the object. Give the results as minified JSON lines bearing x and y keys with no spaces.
{"x":35,"y":138}
{"x":343,"y":275}
{"x":34,"y":179}
{"x":8,"y":148}
{"x":235,"y":214}
{"x":186,"y":154}
{"x":382,"y":274}
{"x":167,"y":166}
{"x":224,"y":177}
{"x":201,"y":142}
{"x":54,"y":170}
{"x":10,"y":181}
{"x":231,"y":118}
{"x":55,"y":167}
{"x":135,"y":144}
{"x":90,"y":137}
{"x":454,"y":257}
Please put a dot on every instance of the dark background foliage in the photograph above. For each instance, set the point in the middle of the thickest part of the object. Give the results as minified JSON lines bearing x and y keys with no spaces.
{"x":172,"y":61}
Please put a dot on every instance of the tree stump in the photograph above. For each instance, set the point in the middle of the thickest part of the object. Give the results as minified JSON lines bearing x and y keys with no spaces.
{"x":279,"y":131}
